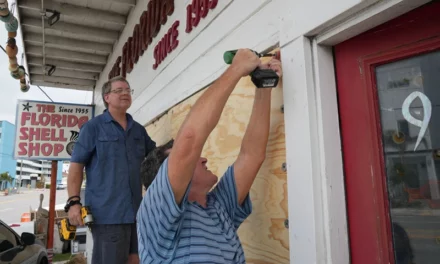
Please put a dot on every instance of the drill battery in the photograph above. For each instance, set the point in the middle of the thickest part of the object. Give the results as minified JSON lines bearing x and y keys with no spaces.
{"x":265,"y":78}
{"x":68,"y":231}
{"x":262,"y":78}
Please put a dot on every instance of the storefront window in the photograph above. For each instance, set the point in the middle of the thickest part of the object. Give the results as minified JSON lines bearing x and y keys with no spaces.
{"x":409,"y":99}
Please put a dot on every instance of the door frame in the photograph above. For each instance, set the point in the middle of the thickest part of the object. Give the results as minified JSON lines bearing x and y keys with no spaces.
{"x":411,"y":34}
{"x":317,"y":201}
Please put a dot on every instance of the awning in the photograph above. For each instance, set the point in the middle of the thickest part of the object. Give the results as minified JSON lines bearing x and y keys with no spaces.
{"x":67,"y":42}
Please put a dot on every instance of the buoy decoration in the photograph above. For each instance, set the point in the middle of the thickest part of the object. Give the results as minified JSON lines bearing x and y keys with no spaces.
{"x":11,"y":23}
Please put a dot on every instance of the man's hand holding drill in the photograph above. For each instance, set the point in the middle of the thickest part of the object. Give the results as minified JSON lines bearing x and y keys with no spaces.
{"x":75,"y":215}
{"x":245,"y":61}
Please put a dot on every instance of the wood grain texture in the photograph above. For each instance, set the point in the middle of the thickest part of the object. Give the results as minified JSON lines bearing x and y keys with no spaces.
{"x":263,"y":235}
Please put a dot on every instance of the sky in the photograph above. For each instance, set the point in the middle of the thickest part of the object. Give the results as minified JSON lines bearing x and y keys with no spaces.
{"x":10,"y":88}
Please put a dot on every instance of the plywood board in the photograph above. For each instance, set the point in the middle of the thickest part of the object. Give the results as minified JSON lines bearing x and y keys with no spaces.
{"x":263,"y":235}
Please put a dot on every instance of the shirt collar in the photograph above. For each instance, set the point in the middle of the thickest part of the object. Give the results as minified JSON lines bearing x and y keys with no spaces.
{"x":108,"y":118}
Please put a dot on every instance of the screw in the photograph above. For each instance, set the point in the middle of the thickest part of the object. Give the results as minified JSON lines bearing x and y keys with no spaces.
{"x":282,"y":109}
{"x":286,"y":223}
{"x":284,"y":167}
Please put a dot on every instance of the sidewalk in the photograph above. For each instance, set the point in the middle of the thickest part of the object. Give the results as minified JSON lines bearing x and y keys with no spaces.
{"x":415,"y":212}
{"x":22,"y":191}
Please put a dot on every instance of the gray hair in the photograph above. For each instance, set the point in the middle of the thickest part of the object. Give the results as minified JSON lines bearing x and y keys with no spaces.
{"x":107,"y":87}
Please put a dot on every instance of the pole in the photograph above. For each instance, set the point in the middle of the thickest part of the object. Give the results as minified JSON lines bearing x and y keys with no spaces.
{"x":21,"y":171}
{"x":51,"y":225}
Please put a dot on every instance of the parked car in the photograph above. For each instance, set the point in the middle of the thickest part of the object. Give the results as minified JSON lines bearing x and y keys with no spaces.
{"x":61,"y":186}
{"x":24,"y":249}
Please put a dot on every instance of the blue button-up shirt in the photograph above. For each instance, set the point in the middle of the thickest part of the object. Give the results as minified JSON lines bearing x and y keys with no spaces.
{"x":112,"y":157}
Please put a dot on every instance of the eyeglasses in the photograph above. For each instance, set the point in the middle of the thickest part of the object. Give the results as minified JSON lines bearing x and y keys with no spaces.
{"x":121,"y":91}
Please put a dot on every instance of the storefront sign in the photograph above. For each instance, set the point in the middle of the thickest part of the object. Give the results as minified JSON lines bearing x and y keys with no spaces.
{"x":197,"y":10}
{"x":148,"y":28}
{"x":48,"y":131}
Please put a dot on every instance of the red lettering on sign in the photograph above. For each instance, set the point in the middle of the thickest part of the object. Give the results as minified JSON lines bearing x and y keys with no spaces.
{"x":44,"y":119}
{"x":45,"y":134}
{"x":213,"y":4}
{"x":155,"y":23}
{"x":143,"y":40}
{"x":22,"y":149}
{"x":72,"y":121}
{"x":148,"y":28}
{"x":51,"y":108}
{"x":166,"y":45}
{"x":46,"y":149}
{"x":60,"y":137}
{"x":23,"y":133}
{"x":25,"y":116}
{"x":34,"y":149}
{"x":58,"y":148}
{"x":167,"y":9}
{"x":189,"y":26}
{"x":124,"y":62}
{"x":129,"y":62}
{"x":82,"y":120}
{"x":116,"y":70}
{"x":34,"y":133}
{"x":42,"y":134}
{"x":204,"y":8}
{"x":196,"y":10}
{"x":45,"y":108}
{"x":55,"y":120}
{"x":135,"y":45}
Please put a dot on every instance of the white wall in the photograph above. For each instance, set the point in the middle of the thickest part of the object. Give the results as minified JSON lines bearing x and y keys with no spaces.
{"x":198,"y":60}
{"x":318,"y":227}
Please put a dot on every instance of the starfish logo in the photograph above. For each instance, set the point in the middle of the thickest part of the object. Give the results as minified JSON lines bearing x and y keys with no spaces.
{"x":27,"y":107}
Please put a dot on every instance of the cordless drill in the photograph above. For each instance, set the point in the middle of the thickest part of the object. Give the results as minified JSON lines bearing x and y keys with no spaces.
{"x":68,"y":231}
{"x":262,"y":78}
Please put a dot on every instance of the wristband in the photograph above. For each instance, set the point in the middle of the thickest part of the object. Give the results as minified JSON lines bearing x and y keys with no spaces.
{"x":71,"y":203}
{"x":71,"y":197}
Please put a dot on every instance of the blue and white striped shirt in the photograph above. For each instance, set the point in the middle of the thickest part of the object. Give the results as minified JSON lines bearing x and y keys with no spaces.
{"x":190,"y":233}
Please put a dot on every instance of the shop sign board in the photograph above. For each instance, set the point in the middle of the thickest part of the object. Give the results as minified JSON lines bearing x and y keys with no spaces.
{"x":48,"y":131}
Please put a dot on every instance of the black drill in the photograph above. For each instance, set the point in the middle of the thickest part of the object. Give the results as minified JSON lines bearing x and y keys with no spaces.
{"x":262,"y":78}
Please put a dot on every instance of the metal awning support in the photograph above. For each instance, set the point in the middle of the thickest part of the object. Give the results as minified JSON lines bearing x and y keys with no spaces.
{"x":43,"y":15}
{"x":47,"y":69}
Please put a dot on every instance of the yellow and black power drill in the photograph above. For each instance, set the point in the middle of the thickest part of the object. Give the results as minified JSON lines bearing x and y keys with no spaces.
{"x":68,"y":231}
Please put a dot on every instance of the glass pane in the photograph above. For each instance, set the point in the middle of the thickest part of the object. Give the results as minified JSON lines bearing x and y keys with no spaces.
{"x":409,"y":98}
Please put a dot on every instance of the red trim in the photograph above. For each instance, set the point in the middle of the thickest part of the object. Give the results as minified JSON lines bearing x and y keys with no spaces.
{"x":412,"y":34}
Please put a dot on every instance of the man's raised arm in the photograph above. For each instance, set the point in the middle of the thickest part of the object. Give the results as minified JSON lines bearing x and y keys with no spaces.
{"x":253,"y":146}
{"x":202,"y":119}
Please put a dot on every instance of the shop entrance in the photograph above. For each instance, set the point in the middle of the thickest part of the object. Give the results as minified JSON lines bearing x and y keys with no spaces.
{"x":389,"y":105}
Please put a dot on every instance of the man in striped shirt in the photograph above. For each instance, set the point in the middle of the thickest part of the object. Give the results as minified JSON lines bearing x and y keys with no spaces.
{"x":181,"y":220}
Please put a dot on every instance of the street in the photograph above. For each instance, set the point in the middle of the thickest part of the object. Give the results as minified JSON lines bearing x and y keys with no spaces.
{"x":424,"y":236}
{"x":13,"y":206}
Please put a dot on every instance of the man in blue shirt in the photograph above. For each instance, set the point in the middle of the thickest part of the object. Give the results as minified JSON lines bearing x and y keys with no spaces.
{"x":181,"y":218}
{"x":111,"y":147}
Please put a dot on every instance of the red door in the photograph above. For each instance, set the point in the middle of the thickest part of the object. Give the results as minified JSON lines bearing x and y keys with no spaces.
{"x":389,"y":105}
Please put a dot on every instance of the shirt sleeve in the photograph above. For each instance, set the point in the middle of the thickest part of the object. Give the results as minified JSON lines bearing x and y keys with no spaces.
{"x":159,"y":219}
{"x":149,"y":143}
{"x":85,"y":145}
{"x":226,"y":194}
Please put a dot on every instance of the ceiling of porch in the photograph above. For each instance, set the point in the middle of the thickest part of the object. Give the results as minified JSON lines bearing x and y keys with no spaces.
{"x":67,"y":42}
